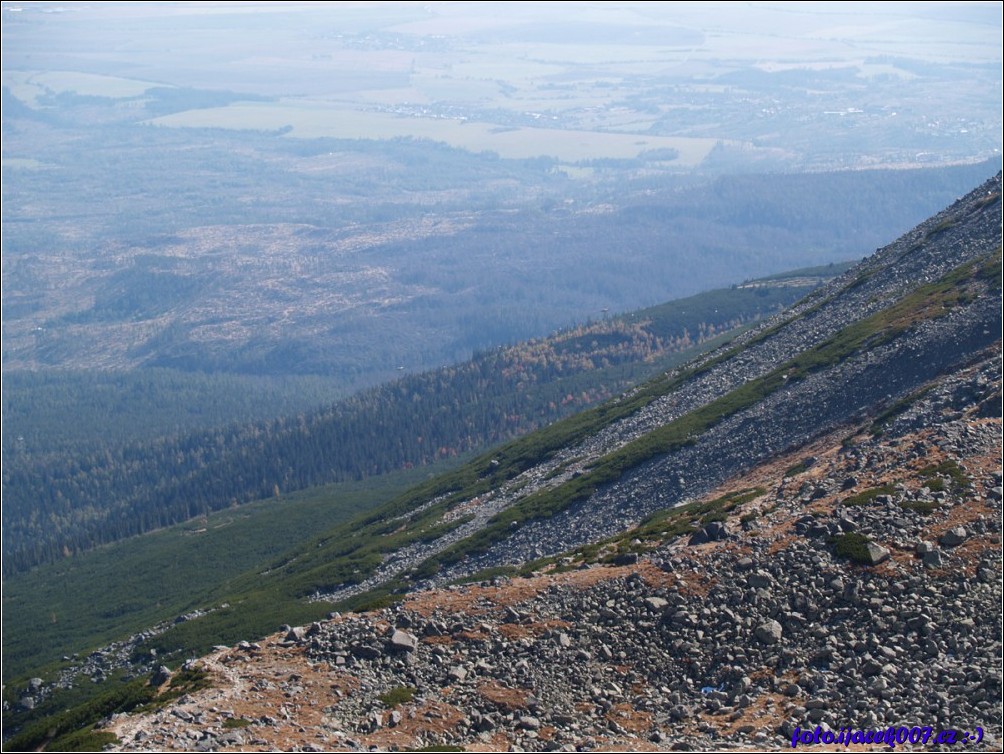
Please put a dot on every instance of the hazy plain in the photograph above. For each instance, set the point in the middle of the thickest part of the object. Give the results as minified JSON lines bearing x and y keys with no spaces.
{"x":894,"y":83}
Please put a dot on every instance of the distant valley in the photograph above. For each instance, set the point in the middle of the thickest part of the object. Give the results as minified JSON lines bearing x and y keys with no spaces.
{"x":354,"y":299}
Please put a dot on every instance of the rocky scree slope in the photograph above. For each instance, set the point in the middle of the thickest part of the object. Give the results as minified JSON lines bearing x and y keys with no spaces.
{"x":837,"y":561}
{"x":913,"y":310}
{"x":758,"y":623}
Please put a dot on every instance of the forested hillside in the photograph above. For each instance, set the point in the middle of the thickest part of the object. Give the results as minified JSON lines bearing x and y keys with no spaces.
{"x":115,"y":407}
{"x":65,"y":499}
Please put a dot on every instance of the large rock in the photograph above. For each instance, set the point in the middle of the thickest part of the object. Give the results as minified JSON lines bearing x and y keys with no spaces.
{"x":769,"y":632}
{"x":876,"y":553}
{"x":933,"y":559}
{"x":698,"y":538}
{"x":366,"y":651}
{"x":402,"y":641}
{"x":717,"y":530}
{"x":954,"y":537}
{"x":713,"y":532}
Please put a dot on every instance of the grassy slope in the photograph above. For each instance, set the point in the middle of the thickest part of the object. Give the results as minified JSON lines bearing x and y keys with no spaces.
{"x":497,"y":395}
{"x":225,"y":558}
{"x":929,"y":301}
{"x":116,"y":590}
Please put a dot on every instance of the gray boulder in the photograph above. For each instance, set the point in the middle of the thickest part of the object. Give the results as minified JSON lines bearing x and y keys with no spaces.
{"x":933,"y":559}
{"x":713,"y":532}
{"x":876,"y":553}
{"x":402,"y":641}
{"x":769,"y":632}
{"x":954,"y":537}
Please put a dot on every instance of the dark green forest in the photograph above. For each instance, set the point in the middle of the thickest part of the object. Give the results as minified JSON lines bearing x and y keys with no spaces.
{"x":118,"y":406}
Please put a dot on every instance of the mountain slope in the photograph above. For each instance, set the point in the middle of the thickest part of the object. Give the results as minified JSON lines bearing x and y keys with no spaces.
{"x":889,"y":377}
{"x":652,"y":639}
{"x":910,"y":312}
{"x":913,"y":310}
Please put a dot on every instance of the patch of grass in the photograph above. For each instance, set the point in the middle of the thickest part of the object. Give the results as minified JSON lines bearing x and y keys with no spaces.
{"x":713,"y":516}
{"x":853,"y":546}
{"x":797,"y":469}
{"x":932,"y":475}
{"x":867,"y":496}
{"x":235,"y":723}
{"x":253,"y":614}
{"x":942,"y":227}
{"x":686,"y":519}
{"x":397,"y":695}
{"x":588,"y":553}
{"x":72,"y":729}
{"x":374,"y":599}
{"x":87,"y":739}
{"x":185,"y":681}
{"x":93,"y":599}
{"x":188,"y":681}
